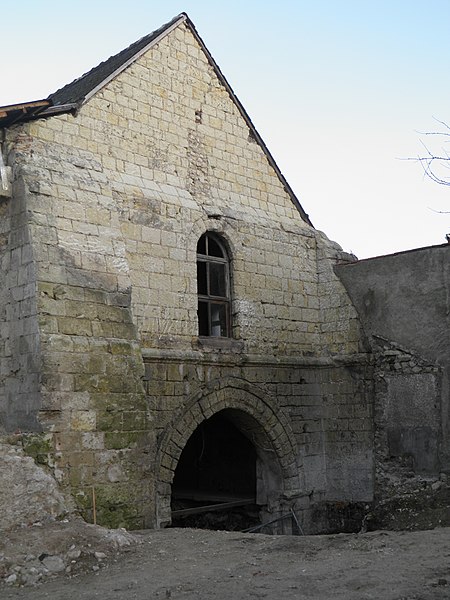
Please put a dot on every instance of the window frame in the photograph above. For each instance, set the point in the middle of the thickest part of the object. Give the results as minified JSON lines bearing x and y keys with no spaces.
{"x":206,"y":323}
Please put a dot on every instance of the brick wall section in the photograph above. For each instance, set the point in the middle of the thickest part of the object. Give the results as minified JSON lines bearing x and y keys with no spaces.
{"x":118,"y":197}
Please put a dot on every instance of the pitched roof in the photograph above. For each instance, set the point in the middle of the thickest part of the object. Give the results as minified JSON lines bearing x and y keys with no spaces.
{"x":86,"y":85}
{"x":70,"y":97}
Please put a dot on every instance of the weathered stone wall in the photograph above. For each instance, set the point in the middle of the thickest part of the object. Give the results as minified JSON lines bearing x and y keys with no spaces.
{"x":323,"y":406}
{"x":5,"y":225}
{"x":117,"y":198}
{"x":403,"y":300}
{"x":408,"y":416}
{"x":88,"y":391}
{"x":19,"y":342}
{"x":338,"y":320}
{"x":403,"y":303}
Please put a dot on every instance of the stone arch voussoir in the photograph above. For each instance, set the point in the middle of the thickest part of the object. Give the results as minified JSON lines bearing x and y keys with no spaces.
{"x":218,"y":395}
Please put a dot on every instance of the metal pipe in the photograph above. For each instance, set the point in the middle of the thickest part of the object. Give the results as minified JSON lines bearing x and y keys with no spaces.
{"x":252,"y":529}
{"x":291,"y":514}
{"x":297,"y":521}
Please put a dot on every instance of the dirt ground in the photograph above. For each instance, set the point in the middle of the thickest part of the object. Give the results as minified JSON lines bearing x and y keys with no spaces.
{"x":190,"y":563}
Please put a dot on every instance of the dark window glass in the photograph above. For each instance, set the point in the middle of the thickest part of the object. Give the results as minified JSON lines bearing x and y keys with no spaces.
{"x":217,"y":280}
{"x":201,"y":246}
{"x":202,"y":284}
{"x":203,"y":319}
{"x":213,"y":272}
{"x":213,"y":248}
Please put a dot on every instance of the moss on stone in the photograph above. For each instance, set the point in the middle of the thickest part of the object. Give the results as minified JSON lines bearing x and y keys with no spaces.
{"x":135,"y":421}
{"x":109,"y":421}
{"x":122,"y":348}
{"x":39,"y":446}
{"x":124,"y":439}
{"x":115,"y":506}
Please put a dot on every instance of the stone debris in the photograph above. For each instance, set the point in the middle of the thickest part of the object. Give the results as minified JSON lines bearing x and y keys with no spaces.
{"x":410,"y":502}
{"x":54,"y":564}
{"x":41,"y":536}
{"x":28,"y":494}
{"x":65,"y":548}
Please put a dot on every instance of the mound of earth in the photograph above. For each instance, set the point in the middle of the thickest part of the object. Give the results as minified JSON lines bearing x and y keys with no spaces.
{"x":215,"y":565}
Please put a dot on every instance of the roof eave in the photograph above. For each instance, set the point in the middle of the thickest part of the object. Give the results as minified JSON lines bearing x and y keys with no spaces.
{"x":14,"y":113}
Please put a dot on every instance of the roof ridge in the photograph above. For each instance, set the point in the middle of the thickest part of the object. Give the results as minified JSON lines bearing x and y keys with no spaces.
{"x":70,"y":97}
{"x":77,"y":90}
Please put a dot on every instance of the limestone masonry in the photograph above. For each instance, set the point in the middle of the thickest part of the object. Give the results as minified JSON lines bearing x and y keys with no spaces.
{"x":143,"y":362}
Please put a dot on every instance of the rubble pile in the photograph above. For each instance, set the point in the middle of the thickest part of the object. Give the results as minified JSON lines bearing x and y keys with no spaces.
{"x":28,"y":493}
{"x":40,"y":534}
{"x":30,"y":555}
{"x":410,"y":502}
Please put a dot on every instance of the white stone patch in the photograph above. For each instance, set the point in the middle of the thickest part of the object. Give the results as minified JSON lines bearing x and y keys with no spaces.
{"x":120,"y":264}
{"x":27,"y":492}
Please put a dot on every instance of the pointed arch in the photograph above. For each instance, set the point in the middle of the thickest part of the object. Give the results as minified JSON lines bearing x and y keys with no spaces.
{"x":256,"y":415}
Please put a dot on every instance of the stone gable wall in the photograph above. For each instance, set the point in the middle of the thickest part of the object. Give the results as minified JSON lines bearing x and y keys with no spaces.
{"x":117,"y":198}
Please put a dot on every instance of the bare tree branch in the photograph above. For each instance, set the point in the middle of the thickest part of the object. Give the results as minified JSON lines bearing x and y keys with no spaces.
{"x":439,"y":212}
{"x":434,"y":164}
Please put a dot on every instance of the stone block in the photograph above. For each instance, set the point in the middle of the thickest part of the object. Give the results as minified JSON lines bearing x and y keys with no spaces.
{"x":74,"y":326}
{"x":83,"y":420}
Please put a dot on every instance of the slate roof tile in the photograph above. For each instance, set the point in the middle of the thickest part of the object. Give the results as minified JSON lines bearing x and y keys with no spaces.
{"x":76,"y":91}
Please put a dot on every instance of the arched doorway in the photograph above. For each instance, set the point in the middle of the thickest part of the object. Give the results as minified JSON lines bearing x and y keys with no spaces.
{"x":257,"y":418}
{"x":215,"y":480}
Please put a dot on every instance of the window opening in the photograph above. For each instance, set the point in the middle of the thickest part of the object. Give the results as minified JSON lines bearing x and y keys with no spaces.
{"x":213,"y":287}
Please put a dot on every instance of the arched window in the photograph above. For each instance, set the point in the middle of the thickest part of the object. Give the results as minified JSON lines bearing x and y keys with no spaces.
{"x":213,"y":287}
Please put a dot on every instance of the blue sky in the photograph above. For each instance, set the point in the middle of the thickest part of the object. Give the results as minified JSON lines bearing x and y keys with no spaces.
{"x":338,"y":90}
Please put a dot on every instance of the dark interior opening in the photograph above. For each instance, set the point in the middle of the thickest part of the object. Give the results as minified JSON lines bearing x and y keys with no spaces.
{"x":214,"y":486}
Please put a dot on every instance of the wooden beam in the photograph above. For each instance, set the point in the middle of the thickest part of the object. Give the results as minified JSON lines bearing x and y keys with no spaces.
{"x":209,"y":497}
{"x":196,"y":510}
{"x":25,"y":105}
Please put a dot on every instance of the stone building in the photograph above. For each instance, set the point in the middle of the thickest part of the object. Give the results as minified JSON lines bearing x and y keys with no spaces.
{"x":404,"y":304}
{"x":172,"y":327}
